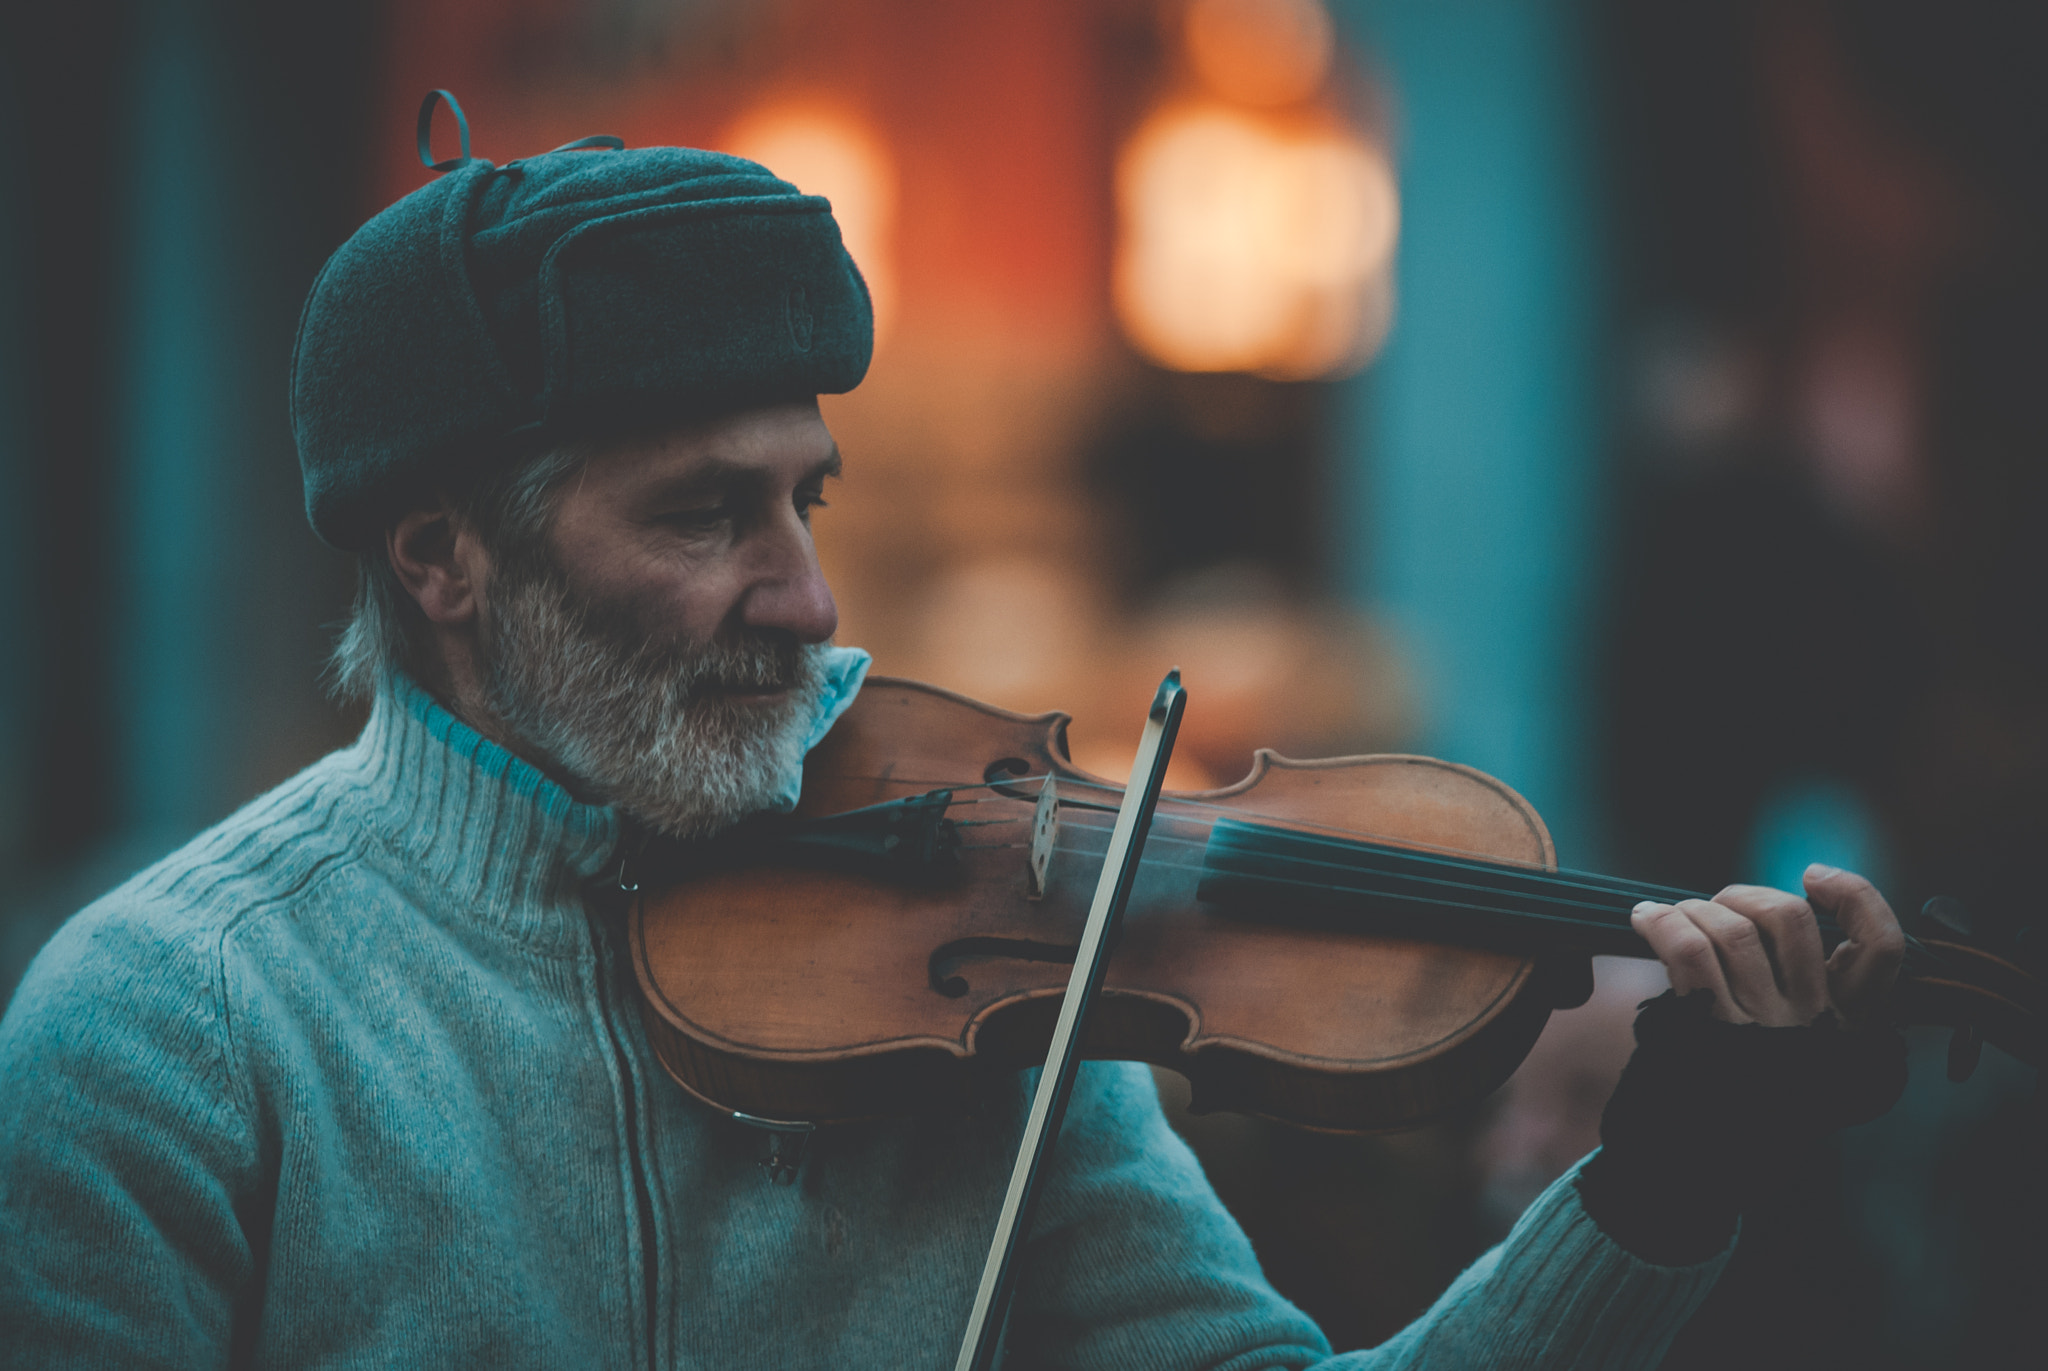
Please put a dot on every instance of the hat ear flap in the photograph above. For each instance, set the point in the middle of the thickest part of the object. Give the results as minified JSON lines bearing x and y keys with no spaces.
{"x":395,"y":361}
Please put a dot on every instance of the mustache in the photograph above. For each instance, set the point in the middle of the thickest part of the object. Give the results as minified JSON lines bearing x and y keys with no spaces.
{"x":747,"y":660}
{"x":761,"y":661}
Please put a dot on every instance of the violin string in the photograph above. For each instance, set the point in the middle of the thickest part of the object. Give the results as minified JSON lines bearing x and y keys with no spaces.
{"x":1363,"y":887}
{"x":929,"y":783}
{"x":1229,"y":812}
{"x":1457,"y":857}
{"x":1916,"y":959}
{"x":1368,"y":890}
{"x":1541,"y":878}
{"x":1332,"y":835}
{"x":1167,"y":806}
{"x":1467,"y":858}
{"x":1165,"y":803}
{"x":1544,"y":883}
{"x":1919,"y":955}
{"x":1544,"y":887}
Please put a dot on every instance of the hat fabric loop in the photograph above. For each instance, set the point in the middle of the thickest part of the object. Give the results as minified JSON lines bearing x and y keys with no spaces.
{"x":425,"y":131}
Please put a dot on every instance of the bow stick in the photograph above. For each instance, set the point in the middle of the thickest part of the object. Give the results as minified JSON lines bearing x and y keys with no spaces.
{"x":1056,"y":1082}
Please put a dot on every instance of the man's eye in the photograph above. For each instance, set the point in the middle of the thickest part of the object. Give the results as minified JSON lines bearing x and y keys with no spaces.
{"x":810,"y":500}
{"x":711,"y":516}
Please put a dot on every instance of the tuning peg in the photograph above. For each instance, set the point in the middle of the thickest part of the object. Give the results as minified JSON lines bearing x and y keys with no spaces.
{"x":1951,"y":914}
{"x":1964,"y":1050}
{"x":1994,"y":930}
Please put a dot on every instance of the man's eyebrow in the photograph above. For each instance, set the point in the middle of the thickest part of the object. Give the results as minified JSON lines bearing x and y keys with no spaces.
{"x":714,"y":477}
{"x":717,"y":477}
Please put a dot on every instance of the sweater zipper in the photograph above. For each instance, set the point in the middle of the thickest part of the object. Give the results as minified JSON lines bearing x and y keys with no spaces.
{"x":643,"y":1194}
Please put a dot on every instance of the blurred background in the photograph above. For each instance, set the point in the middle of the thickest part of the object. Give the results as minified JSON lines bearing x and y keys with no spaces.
{"x":1640,"y":400}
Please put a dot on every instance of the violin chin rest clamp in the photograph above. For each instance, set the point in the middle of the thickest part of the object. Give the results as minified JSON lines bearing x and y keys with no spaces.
{"x":785,"y":1141}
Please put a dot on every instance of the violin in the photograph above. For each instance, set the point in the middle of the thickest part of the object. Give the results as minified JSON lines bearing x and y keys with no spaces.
{"x":1356,"y":944}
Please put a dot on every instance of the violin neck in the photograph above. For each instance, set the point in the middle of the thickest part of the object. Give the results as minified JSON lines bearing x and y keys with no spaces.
{"x":1287,"y":875}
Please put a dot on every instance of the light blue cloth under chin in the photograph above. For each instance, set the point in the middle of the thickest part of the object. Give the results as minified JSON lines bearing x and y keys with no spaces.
{"x":845,"y":668}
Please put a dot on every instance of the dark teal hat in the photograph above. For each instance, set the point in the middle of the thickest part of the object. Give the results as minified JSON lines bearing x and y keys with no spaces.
{"x":498,"y":309}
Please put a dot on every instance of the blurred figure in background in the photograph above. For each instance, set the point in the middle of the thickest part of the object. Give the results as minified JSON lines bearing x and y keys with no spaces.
{"x":1842,"y":376}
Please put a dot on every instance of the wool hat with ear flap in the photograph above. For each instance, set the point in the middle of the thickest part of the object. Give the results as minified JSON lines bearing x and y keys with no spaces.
{"x":500,"y":309}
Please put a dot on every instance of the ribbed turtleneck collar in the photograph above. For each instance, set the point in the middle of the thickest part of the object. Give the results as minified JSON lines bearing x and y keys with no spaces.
{"x":487,"y":837}
{"x":483,"y":835}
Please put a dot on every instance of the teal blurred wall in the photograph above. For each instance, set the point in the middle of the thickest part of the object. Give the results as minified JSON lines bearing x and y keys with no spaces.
{"x":188,"y":165}
{"x":1472,"y":513}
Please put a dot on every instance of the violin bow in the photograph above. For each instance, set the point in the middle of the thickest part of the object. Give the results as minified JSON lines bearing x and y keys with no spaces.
{"x":1063,"y":1058}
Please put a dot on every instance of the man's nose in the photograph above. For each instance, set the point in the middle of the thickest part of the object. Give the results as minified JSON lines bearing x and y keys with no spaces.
{"x":788,"y":589}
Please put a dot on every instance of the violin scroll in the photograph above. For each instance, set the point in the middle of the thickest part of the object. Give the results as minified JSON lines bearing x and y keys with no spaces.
{"x":1981,"y":976}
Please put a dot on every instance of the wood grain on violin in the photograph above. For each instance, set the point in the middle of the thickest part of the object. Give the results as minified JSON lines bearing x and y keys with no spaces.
{"x":809,"y":993}
{"x":1356,"y":944}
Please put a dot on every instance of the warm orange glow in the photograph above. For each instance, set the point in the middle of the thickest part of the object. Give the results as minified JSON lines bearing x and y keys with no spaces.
{"x":1260,"y":52}
{"x":1251,"y":245}
{"x":830,"y":153}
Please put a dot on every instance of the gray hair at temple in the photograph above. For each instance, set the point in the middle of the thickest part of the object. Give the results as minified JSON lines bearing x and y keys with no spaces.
{"x":386,"y":632}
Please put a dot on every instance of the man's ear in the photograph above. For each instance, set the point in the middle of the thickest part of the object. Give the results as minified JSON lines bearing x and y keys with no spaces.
{"x":440,"y":564}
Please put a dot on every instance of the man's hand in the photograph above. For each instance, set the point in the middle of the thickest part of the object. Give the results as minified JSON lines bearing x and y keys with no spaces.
{"x":1707,"y":1113}
{"x":1759,"y":951}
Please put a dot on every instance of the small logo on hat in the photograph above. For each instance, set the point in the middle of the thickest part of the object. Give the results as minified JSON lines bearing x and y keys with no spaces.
{"x":801,"y":324}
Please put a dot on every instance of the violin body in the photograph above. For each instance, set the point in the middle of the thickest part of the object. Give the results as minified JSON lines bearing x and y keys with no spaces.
{"x":820,"y":992}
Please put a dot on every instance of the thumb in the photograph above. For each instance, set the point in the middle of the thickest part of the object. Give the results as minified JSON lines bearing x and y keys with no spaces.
{"x":1863,"y":969}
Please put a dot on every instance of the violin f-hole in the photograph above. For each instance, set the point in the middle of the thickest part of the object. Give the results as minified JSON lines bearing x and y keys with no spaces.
{"x":943,"y":966}
{"x":995,"y":776}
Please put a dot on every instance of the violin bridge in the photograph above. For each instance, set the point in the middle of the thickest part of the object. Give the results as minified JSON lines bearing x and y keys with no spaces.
{"x":1045,"y":831}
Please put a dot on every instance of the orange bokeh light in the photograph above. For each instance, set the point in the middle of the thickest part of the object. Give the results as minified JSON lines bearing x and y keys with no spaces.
{"x":829,"y":152}
{"x":1260,"y":52}
{"x":1251,"y":244}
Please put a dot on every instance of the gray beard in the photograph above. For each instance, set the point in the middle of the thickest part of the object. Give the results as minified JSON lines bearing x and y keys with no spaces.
{"x":644,"y":724}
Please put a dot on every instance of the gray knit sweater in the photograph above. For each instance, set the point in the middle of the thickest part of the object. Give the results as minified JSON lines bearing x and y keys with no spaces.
{"x":356,"y":1079}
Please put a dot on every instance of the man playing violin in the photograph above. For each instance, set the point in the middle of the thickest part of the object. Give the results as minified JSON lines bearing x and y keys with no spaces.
{"x":357,"y":1077}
